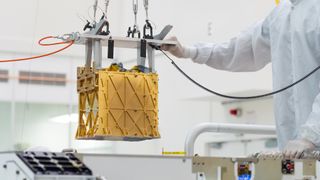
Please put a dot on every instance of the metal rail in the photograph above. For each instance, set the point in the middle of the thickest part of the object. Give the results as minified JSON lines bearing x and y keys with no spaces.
{"x":224,"y":128}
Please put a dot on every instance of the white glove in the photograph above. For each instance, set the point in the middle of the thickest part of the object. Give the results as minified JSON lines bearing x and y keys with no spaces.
{"x":178,"y":50}
{"x":296,"y":148}
{"x":267,"y":154}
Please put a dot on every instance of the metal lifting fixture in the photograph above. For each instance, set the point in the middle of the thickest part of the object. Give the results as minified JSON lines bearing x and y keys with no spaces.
{"x":132,"y":32}
{"x":94,"y":45}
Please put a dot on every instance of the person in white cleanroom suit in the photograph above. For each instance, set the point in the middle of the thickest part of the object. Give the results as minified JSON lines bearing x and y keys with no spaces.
{"x":289,"y":38}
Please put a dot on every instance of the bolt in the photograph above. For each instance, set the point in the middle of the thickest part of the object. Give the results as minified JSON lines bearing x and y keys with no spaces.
{"x":4,"y":166}
{"x":17,"y":172}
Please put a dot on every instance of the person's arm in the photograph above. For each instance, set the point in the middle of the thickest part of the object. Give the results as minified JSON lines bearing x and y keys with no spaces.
{"x":309,"y":134}
{"x":311,"y":129}
{"x":250,"y":51}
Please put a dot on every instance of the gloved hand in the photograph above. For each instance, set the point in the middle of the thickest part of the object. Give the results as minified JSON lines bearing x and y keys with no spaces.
{"x":267,"y":154}
{"x":178,"y":50}
{"x":296,"y":148}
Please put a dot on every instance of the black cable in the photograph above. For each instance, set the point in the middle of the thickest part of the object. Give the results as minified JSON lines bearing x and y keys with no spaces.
{"x":237,"y":97}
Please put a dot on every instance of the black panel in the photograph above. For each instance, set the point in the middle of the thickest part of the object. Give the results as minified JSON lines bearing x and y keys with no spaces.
{"x":54,"y":163}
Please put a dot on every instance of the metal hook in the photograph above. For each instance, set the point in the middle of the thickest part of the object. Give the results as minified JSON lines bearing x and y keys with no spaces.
{"x":147,"y":27}
{"x":69,"y":37}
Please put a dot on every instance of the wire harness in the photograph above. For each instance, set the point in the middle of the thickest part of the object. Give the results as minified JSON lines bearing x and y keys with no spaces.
{"x":238,"y":97}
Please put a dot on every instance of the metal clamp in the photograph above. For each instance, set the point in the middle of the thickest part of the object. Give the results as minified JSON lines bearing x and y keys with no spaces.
{"x":107,"y":26}
{"x":69,"y":37}
{"x":147,"y":27}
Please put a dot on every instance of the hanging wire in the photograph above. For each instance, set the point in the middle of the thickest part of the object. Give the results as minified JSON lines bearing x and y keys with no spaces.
{"x":81,"y":18}
{"x":106,"y":8}
{"x":90,"y":17}
{"x":26,"y":101}
{"x":238,"y":97}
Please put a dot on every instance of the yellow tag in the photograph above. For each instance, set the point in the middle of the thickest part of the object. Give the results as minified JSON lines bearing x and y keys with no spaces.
{"x":277,"y":2}
{"x":173,"y":153}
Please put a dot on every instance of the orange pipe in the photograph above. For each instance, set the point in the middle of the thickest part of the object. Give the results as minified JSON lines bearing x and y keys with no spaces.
{"x":69,"y":44}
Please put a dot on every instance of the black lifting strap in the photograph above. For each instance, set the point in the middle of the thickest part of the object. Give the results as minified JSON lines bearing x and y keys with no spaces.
{"x":110,"y":48}
{"x":143,"y":48}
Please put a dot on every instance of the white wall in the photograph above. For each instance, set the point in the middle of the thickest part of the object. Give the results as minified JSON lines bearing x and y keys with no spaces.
{"x":27,"y":21}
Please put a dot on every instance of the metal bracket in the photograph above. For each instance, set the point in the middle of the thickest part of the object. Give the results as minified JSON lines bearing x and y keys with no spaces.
{"x":151,"y":60}
{"x":88,"y":53}
{"x":147,"y":27}
{"x":95,"y":46}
